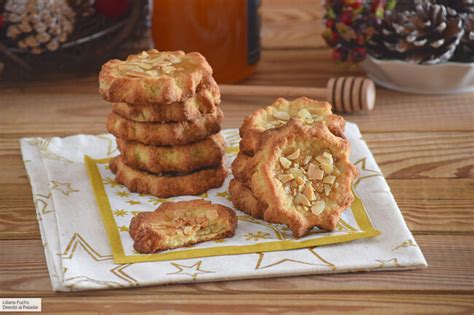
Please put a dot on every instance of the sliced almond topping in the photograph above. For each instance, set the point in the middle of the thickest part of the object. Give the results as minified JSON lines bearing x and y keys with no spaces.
{"x":318,"y":118}
{"x":327,"y":155}
{"x":285,"y":162}
{"x":188,"y":229}
{"x":160,"y":63}
{"x":173,"y":59}
{"x":294,"y":155}
{"x":336,"y":171}
{"x":327,"y":168}
{"x":134,"y":73}
{"x":144,"y":55}
{"x":314,"y":172}
{"x":284,"y":178}
{"x":329,"y":179}
{"x":323,"y":159}
{"x":281,"y":115}
{"x":307,"y":159}
{"x":153,"y":73}
{"x":304,"y":113}
{"x":309,"y":192}
{"x":167,"y":69}
{"x":145,"y":66}
{"x":318,"y":207}
{"x":296,"y":172}
{"x":302,"y":200}
{"x":327,"y":189}
{"x":300,"y":180}
{"x":336,"y":184}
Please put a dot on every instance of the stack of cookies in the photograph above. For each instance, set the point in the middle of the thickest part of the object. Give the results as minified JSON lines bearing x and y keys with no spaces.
{"x":166,"y":119}
{"x":293,"y":167}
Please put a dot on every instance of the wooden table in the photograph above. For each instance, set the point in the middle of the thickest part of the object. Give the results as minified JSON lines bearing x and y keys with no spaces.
{"x":424,"y":145}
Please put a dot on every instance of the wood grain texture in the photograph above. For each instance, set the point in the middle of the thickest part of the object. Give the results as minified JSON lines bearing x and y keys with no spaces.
{"x":423,"y":145}
{"x":285,"y":26}
{"x":433,"y":190}
{"x":23,"y":272}
{"x":351,"y":303}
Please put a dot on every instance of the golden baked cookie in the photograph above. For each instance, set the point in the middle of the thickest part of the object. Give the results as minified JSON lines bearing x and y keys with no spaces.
{"x":244,"y":200}
{"x":167,"y":185}
{"x":181,"y":159}
{"x":166,"y":133}
{"x":183,"y":223}
{"x":304,"y":175}
{"x":240,"y":168}
{"x":256,"y":126}
{"x":204,"y":101}
{"x":154,"y":77}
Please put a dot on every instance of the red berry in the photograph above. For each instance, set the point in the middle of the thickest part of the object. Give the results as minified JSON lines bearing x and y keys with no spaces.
{"x":112,"y":8}
{"x":346,"y":17}
{"x":336,"y":55}
{"x":329,"y":23}
{"x":356,"y":4}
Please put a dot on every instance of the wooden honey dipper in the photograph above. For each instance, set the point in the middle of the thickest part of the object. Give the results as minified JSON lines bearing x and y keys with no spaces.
{"x":346,"y":94}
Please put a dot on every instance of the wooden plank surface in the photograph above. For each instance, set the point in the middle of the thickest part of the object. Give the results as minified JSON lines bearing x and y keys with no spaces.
{"x":23,"y":272}
{"x":285,"y":26}
{"x":351,"y":303}
{"x":423,"y":145}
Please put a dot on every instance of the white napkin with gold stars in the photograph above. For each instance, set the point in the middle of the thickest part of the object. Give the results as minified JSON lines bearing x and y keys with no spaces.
{"x":84,"y":216}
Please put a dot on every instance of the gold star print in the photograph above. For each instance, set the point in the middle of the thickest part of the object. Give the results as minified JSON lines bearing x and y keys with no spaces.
{"x":219,"y":241}
{"x":42,"y":202}
{"x":65,"y":188}
{"x":389,"y":263}
{"x":124,"y":194}
{"x":224,"y":194}
{"x":110,"y":181}
{"x":257,"y":236}
{"x":133,"y":202}
{"x":313,"y":258}
{"x":193,"y":271}
{"x":111,"y":146}
{"x":123,"y":228}
{"x":120,"y":212}
{"x":114,"y":277}
{"x":364,"y":172}
{"x":232,"y":150}
{"x":204,"y":195}
{"x":407,"y":243}
{"x":155,"y":201}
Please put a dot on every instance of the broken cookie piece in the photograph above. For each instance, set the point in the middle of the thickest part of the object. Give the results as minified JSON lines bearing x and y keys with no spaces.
{"x":179,"y":224}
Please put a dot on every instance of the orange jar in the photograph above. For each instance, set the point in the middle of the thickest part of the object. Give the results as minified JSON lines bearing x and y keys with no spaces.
{"x":226,"y":32}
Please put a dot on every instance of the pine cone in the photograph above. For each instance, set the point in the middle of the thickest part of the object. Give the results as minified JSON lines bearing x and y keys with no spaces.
{"x":83,"y":8}
{"x":39,"y":25}
{"x":458,"y":7}
{"x":425,"y":36}
{"x":382,"y":44}
{"x":468,"y":38}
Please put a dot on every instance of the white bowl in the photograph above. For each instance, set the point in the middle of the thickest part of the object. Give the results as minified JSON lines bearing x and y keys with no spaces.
{"x":446,"y":78}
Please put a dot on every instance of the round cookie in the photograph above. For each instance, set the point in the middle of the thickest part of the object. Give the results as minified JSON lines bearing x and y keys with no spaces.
{"x":166,"y":133}
{"x":304,"y":175}
{"x":204,"y":101}
{"x":259,"y":124}
{"x":154,"y":77}
{"x":181,"y":159}
{"x":244,"y":200}
{"x":164,"y":186}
